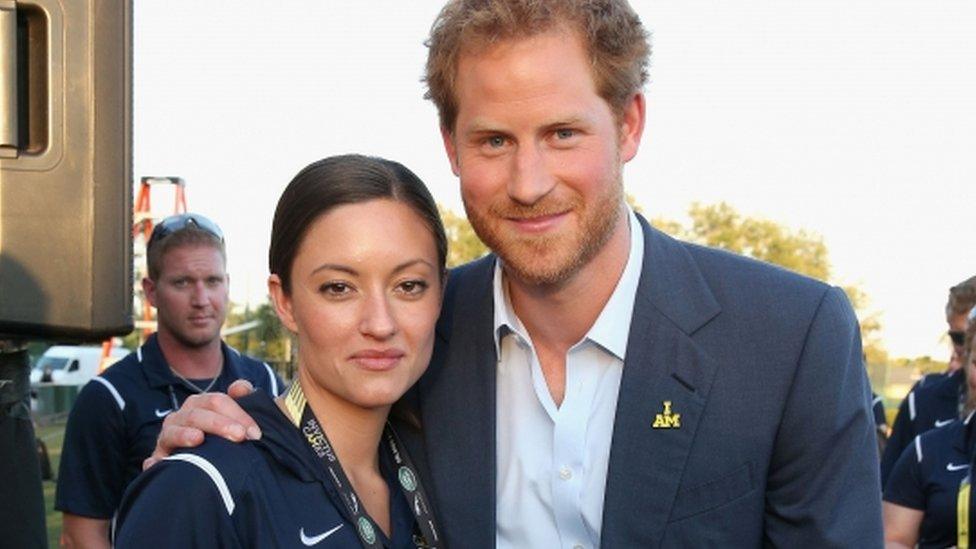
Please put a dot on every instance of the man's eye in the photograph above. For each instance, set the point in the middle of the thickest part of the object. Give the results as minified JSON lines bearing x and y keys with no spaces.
{"x":564,"y":133}
{"x":496,"y":141}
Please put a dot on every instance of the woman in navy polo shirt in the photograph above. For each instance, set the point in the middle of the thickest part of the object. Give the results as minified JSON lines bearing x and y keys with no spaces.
{"x":920,"y":498}
{"x":357,"y":263}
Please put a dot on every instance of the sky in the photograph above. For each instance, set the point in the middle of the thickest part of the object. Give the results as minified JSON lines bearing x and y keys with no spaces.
{"x":851,"y":120}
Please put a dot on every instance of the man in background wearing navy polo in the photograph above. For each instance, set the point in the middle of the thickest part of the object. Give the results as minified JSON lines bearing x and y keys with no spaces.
{"x":115,"y":421}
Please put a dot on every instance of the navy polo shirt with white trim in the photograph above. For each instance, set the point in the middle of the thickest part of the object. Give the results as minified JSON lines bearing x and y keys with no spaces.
{"x":114,"y":424}
{"x":927,"y":476}
{"x":933,"y":402}
{"x":273,"y":492}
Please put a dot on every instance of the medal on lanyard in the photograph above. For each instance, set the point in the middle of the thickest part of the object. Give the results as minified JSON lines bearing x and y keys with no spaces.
{"x":409,"y":482}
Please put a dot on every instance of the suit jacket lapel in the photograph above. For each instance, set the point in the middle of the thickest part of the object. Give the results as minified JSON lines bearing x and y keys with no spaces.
{"x":663,"y":364}
{"x":458,"y":409}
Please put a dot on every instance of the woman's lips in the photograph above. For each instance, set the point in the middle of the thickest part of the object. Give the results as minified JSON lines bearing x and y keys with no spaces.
{"x":378,"y":360}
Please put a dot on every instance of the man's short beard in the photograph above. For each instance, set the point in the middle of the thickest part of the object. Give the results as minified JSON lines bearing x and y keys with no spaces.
{"x":518,"y":261}
{"x":595,"y":231}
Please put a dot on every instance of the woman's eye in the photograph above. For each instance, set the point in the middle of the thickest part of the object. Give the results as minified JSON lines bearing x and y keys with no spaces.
{"x":413,"y":287}
{"x":335,"y":288}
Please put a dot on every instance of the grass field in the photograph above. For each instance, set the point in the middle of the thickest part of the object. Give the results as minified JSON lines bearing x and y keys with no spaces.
{"x":52,"y":435}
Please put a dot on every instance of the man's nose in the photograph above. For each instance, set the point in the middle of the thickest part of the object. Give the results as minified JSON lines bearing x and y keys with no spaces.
{"x":377,"y":320}
{"x":198,"y":297}
{"x":531,"y":178}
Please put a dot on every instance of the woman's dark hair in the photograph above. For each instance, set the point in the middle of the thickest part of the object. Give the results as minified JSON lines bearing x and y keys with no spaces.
{"x":338,"y":180}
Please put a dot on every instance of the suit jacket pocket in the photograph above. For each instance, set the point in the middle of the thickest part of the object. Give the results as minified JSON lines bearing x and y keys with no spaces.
{"x":714,"y":493}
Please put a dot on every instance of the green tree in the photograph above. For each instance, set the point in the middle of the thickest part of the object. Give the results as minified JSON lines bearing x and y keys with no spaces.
{"x":265,"y":340}
{"x":463,"y":245}
{"x":268,"y":340}
{"x":922,"y":364}
{"x":874,"y":351}
{"x":721,"y":226}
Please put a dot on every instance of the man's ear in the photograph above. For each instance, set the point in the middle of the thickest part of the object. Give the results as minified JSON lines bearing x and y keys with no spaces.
{"x":450,"y":146}
{"x":282,"y":303}
{"x":149,"y":290}
{"x":632,"y":126}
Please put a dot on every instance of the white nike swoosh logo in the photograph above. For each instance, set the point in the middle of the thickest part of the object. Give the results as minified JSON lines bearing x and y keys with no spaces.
{"x":162,"y":413}
{"x":951,"y":467}
{"x":944,"y":422}
{"x":310,"y":541}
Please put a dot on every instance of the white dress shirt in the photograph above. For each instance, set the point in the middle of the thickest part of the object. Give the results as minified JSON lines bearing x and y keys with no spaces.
{"x":552,"y":461}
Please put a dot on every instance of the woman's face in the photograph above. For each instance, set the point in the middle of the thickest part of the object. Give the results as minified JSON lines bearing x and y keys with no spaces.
{"x":365,"y":296}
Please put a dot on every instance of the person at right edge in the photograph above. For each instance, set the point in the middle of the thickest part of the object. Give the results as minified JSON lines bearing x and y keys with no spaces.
{"x":594,"y":382}
{"x":920,"y":497}
{"x":937,"y":399}
{"x":965,"y":506}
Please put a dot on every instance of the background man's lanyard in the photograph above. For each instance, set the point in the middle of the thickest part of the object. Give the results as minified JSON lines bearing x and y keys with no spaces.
{"x":409,"y":481}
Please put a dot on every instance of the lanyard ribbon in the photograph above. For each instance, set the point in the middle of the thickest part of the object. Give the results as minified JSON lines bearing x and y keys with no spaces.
{"x":409,"y":481}
{"x":962,"y":514}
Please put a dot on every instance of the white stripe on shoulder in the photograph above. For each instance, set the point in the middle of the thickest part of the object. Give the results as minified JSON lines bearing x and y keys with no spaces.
{"x":918,"y":448}
{"x":214,"y":475}
{"x":139,"y":354}
{"x":272,"y":380}
{"x":969,"y":417}
{"x":876,"y":400}
{"x":111,"y":389}
{"x":911,"y":405}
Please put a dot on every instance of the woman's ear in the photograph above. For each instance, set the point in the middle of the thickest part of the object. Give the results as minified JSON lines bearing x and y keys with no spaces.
{"x":282,"y":303}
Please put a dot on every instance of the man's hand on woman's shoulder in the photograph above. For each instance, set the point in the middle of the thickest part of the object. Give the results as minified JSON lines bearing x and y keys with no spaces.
{"x":209,"y":413}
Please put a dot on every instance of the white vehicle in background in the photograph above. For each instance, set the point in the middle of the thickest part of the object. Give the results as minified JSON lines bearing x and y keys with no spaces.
{"x":72,"y":365}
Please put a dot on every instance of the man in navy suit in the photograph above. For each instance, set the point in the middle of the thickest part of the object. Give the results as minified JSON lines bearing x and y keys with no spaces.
{"x":596,"y":383}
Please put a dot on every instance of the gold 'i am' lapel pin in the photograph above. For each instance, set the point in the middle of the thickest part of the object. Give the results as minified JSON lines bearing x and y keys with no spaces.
{"x":667,"y":419}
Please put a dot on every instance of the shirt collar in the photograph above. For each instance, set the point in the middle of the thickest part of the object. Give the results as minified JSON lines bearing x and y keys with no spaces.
{"x":157,"y":370}
{"x":612,"y":326}
{"x":505,"y":319}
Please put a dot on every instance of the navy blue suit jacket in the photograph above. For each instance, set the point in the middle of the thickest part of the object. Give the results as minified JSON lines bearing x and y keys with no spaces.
{"x":776,"y":444}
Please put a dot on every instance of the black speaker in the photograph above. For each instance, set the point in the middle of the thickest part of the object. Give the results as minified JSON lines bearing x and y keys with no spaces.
{"x":65,"y":168}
